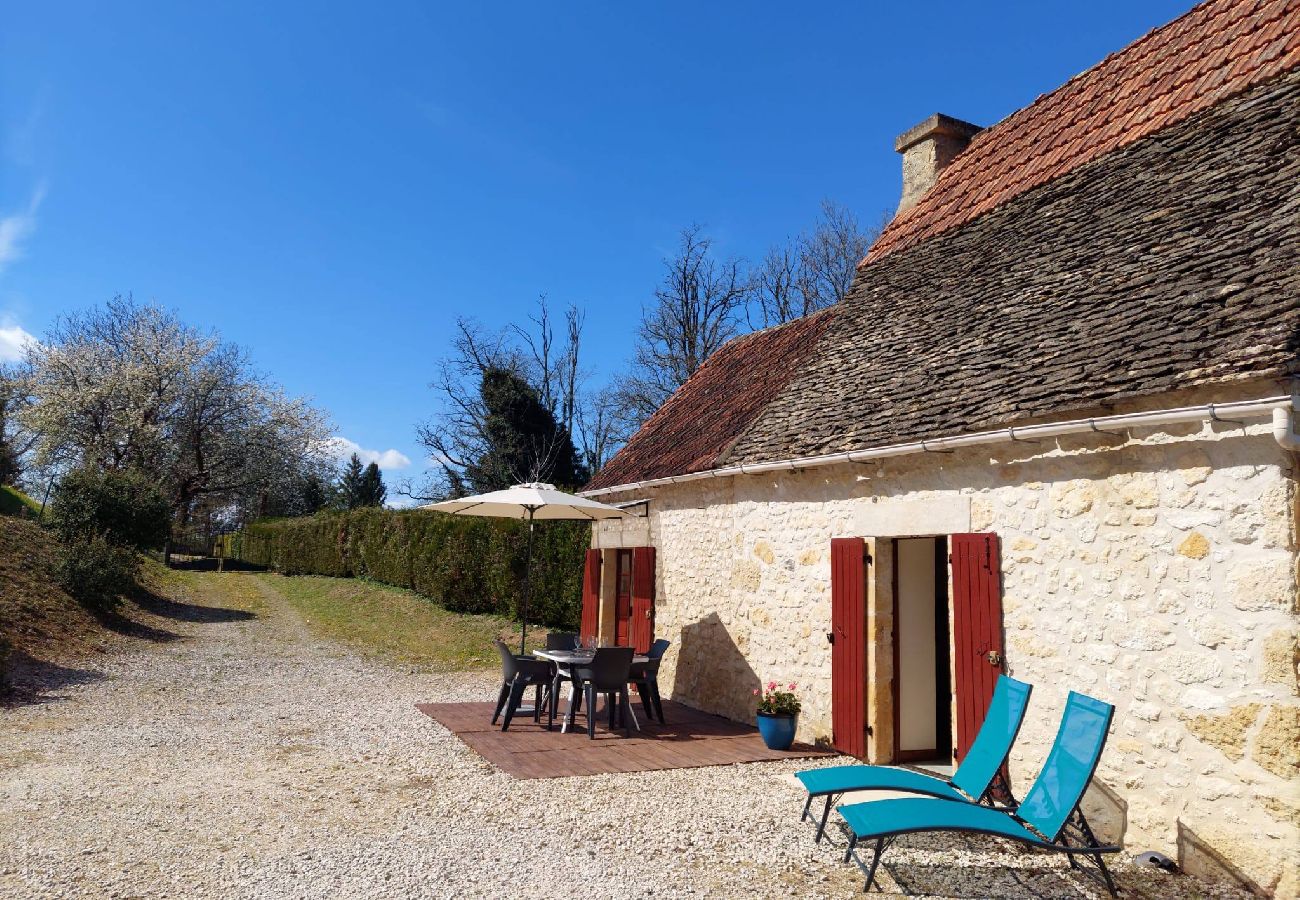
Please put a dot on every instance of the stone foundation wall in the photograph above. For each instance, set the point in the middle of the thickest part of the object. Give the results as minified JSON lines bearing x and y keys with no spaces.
{"x":1156,"y":571}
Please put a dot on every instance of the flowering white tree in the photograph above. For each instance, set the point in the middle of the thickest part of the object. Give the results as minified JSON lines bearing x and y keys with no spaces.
{"x":130,"y":386}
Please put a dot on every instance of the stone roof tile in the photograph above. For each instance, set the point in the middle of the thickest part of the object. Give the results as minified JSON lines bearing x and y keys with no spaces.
{"x":1172,"y":263}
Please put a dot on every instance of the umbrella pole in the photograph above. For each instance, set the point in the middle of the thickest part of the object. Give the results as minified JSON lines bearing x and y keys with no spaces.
{"x":528,"y":587}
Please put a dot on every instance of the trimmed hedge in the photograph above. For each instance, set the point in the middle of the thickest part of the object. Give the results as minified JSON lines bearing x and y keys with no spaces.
{"x":465,"y":564}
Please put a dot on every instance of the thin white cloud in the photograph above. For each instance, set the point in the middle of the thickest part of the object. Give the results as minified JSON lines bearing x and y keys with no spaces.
{"x":342,"y":448}
{"x":20,"y":139}
{"x":511,"y":151}
{"x":13,"y":340}
{"x":17,"y":227}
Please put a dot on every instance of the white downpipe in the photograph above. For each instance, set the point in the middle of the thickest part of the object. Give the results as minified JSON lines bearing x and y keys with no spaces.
{"x":1284,"y":429}
{"x":1280,"y":408}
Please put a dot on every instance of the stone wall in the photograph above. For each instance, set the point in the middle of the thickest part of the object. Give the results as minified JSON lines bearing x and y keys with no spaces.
{"x":1156,"y":570}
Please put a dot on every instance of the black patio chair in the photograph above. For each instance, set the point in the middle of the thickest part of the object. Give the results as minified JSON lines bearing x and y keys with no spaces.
{"x":560,"y":640}
{"x":607,"y":674}
{"x":518,"y":673}
{"x":646,"y":678}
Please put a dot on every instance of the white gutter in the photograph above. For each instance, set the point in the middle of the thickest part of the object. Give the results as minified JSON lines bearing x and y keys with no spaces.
{"x":1280,"y":408}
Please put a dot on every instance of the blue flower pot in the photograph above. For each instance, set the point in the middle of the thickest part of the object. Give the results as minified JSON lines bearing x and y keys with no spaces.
{"x":777,"y":731}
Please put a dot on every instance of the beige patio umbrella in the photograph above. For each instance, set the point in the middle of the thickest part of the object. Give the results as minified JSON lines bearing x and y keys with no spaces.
{"x":530,"y":501}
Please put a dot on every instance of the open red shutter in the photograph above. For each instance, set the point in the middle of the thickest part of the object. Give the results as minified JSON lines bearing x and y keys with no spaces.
{"x":590,"y":596}
{"x":977,"y":630}
{"x":642,"y":626}
{"x":848,"y":647}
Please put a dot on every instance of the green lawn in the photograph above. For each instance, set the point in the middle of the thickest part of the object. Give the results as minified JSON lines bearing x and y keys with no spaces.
{"x":13,"y":502}
{"x":397,"y":625}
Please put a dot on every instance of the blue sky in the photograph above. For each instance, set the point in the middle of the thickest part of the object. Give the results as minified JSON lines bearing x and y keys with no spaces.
{"x":330,"y":185}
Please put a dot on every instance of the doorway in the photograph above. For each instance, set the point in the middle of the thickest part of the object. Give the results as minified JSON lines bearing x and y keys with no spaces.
{"x":623,"y":599}
{"x":922,"y":646}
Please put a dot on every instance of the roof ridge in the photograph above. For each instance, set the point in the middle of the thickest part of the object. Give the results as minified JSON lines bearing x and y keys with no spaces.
{"x":719,"y":402}
{"x":1127,"y":48}
{"x":1216,"y":49}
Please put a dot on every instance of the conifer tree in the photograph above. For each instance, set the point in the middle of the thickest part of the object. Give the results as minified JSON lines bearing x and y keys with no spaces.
{"x":351,"y":485}
{"x":523,"y":440}
{"x":373,"y":492}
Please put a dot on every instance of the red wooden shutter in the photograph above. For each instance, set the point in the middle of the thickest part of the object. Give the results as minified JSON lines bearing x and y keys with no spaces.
{"x":977,"y":629}
{"x":849,"y":645}
{"x":590,"y":596}
{"x":643,"y":598}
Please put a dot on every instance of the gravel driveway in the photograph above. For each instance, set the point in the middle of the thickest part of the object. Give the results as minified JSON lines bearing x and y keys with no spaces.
{"x":251,"y":759}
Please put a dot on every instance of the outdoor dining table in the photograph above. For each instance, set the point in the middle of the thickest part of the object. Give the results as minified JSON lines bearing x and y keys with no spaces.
{"x":573,"y":659}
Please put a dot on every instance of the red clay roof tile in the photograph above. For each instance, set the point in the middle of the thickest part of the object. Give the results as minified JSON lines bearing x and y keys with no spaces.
{"x":1217,"y":49}
{"x":703,"y":419}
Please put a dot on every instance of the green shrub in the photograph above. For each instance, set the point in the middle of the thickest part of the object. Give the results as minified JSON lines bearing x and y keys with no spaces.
{"x":123,"y":508}
{"x":96,"y":572}
{"x":465,"y":564}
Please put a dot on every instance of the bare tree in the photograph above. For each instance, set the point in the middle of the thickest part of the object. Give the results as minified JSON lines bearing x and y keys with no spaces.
{"x":457,"y":434}
{"x":602,"y":428}
{"x":553,"y":370}
{"x":778,"y":296}
{"x":813,"y":271}
{"x":829,"y":257}
{"x":694,"y":313}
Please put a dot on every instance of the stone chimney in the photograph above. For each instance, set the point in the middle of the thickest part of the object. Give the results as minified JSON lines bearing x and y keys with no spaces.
{"x":927,"y":149}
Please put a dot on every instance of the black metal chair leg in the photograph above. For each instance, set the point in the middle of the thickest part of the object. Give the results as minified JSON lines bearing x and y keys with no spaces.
{"x":821,"y":827}
{"x":537,"y":702}
{"x":853,"y":842}
{"x":807,"y":805}
{"x":501,"y":701}
{"x":1105,"y":874}
{"x":875,"y":861}
{"x":1091,"y":839}
{"x":591,"y":719}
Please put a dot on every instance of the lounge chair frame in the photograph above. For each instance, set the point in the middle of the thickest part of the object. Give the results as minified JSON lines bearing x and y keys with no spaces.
{"x":1085,"y":845}
{"x":989,"y":797}
{"x":1090,"y":849}
{"x":997,"y":793}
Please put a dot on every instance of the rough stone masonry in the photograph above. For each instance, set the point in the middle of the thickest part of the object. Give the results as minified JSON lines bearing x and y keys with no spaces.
{"x":1155,"y":570}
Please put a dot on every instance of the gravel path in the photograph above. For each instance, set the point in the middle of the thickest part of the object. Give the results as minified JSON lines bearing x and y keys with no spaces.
{"x":251,"y":759}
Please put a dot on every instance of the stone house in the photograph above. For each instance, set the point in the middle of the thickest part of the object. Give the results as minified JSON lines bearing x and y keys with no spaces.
{"x":1049,"y":431}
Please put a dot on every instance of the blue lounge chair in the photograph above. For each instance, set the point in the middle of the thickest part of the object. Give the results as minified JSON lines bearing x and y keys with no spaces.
{"x":1050,"y":807}
{"x":974,"y":780}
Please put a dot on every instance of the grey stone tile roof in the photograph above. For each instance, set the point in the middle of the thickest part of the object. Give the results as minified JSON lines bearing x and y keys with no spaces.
{"x":1170,"y":263}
